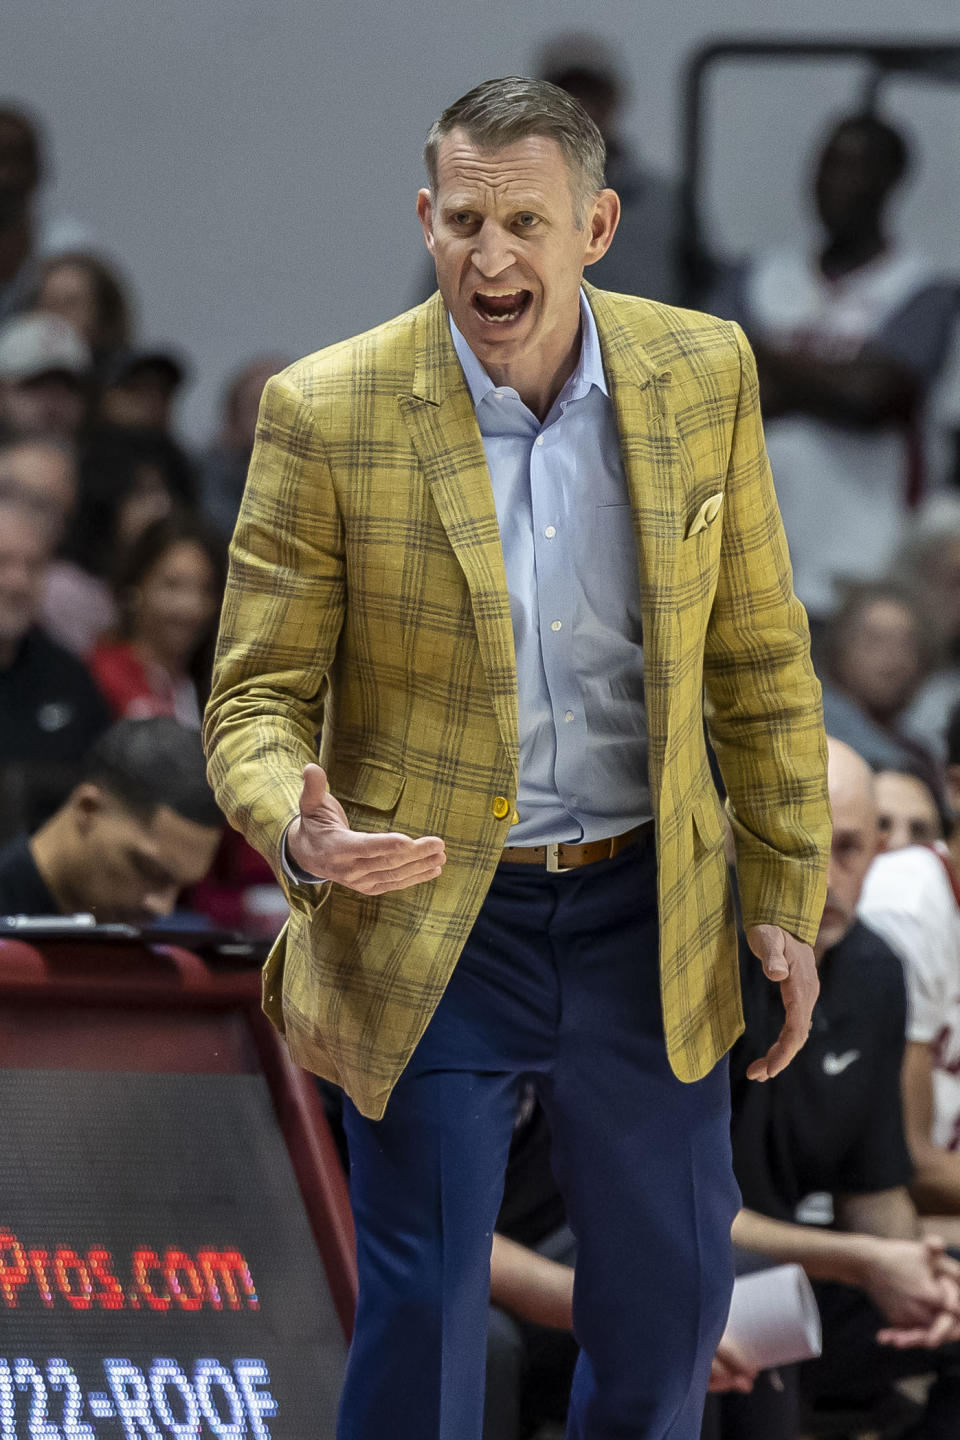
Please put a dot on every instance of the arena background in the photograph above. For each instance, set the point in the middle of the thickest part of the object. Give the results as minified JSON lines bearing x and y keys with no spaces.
{"x":253,"y":167}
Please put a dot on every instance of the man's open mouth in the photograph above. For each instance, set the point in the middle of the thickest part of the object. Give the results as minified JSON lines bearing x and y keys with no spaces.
{"x":500,"y":307}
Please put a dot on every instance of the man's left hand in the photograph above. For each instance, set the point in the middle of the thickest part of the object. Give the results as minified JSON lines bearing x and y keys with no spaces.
{"x":730,"y":1371}
{"x":789,"y":963}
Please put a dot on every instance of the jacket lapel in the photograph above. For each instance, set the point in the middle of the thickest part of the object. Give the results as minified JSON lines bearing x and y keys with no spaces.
{"x":440,"y":417}
{"x":650,"y":449}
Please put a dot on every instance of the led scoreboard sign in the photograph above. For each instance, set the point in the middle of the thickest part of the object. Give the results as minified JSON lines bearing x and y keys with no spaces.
{"x":159,"y":1277}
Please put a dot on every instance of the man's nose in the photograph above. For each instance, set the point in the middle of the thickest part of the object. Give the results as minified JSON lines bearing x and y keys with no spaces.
{"x":493,"y":252}
{"x":160,"y":902}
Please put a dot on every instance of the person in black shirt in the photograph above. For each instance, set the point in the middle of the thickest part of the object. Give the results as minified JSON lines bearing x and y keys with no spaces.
{"x":50,"y":709}
{"x":821,"y":1160}
{"x":141,"y":825}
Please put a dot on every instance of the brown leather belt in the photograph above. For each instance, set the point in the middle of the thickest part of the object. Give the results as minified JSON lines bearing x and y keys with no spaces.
{"x":564,"y":856}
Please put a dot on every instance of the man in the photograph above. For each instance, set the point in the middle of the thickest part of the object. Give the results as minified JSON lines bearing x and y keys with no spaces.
{"x":43,"y":474}
{"x":849,"y":342}
{"x":25,"y":234}
{"x":140,"y":388}
{"x":912,"y":898}
{"x":875,"y":651}
{"x":823,"y":1143}
{"x":45,"y":371}
{"x":140,"y":826}
{"x":436,"y":566}
{"x":908,"y":811}
{"x":50,"y":709}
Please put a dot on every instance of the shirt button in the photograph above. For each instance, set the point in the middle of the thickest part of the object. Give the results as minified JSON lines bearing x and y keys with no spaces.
{"x":557,"y":625}
{"x":539,"y":439}
{"x":550,"y":531}
{"x":501,"y":807}
{"x":568,"y":716}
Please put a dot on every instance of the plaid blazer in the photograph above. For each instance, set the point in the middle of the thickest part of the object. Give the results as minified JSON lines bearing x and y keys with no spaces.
{"x":367,"y":605}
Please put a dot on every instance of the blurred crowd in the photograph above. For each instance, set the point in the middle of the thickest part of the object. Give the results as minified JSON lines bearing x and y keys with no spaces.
{"x":113,"y":534}
{"x":113,"y":539}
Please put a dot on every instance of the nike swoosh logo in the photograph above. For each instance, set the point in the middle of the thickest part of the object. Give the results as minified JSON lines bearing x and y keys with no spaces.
{"x":836,"y":1064}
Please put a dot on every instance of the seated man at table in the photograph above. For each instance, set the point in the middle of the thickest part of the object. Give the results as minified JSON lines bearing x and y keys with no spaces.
{"x":140,"y":826}
{"x":822,"y":1163}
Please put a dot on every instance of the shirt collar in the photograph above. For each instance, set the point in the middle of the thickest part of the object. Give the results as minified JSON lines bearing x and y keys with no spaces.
{"x":588,"y":371}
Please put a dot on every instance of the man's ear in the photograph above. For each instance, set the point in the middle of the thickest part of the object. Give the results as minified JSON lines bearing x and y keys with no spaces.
{"x":86,"y":805}
{"x":425,"y":215}
{"x":603,"y":221}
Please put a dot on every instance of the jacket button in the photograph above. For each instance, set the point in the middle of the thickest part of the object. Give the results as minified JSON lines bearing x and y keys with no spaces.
{"x":501,"y":807}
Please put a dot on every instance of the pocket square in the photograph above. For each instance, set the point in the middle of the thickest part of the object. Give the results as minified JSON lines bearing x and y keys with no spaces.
{"x":706,"y":515}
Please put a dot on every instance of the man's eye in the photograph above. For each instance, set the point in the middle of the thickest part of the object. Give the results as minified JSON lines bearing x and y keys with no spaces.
{"x":526,"y":220}
{"x":462,"y":217}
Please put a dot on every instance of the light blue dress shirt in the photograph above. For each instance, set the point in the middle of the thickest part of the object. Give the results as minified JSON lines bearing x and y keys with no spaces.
{"x":570,"y":556}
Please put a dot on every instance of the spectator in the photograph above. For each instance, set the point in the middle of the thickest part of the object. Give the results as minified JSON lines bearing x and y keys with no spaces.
{"x":140,"y":825}
{"x":41,"y":473}
{"x":24,"y":234}
{"x":168,"y":591}
{"x":822,"y":1164}
{"x":128,"y":478}
{"x":848,"y":344}
{"x":139,"y":389}
{"x":86,"y":291}
{"x":911,"y":898}
{"x":50,"y":709}
{"x":223,"y":470}
{"x":644,"y":258}
{"x":929,"y":565}
{"x":45,"y":371}
{"x":875,"y":653}
{"x":908,"y":811}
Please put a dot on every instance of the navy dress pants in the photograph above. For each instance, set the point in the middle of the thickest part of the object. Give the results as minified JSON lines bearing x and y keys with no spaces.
{"x":558,"y":982}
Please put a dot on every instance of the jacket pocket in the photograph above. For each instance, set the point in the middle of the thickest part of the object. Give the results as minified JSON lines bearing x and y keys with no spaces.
{"x":367,"y":782}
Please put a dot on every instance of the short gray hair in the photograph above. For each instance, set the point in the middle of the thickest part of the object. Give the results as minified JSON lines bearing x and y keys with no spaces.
{"x":500,"y":112}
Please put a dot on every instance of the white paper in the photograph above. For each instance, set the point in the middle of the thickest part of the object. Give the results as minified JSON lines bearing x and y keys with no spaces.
{"x":774,"y":1318}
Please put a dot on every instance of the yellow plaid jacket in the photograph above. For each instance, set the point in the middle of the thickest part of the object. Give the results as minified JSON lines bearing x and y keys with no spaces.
{"x":367,"y":605}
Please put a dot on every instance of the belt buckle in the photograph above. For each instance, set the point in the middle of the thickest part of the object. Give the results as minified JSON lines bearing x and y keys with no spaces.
{"x":553,"y":860}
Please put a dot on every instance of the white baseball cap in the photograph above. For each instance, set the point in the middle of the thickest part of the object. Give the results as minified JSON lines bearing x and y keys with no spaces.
{"x":37,"y":344}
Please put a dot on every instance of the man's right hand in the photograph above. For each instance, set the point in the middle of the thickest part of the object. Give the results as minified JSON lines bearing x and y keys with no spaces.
{"x":915,"y":1284}
{"x":320,"y":841}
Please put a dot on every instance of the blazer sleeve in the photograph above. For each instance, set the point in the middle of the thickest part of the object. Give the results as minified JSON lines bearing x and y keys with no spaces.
{"x":763,"y":698}
{"x":282,"y":614}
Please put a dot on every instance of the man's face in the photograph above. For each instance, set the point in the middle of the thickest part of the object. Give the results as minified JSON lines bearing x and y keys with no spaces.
{"x":133,"y":868}
{"x":907,"y":811}
{"x":502,"y":229}
{"x":44,"y":476}
{"x":880,"y":662}
{"x":855,"y":843}
{"x":24,"y":555}
{"x":144,"y":400}
{"x":852,"y":181}
{"x":49,"y":404}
